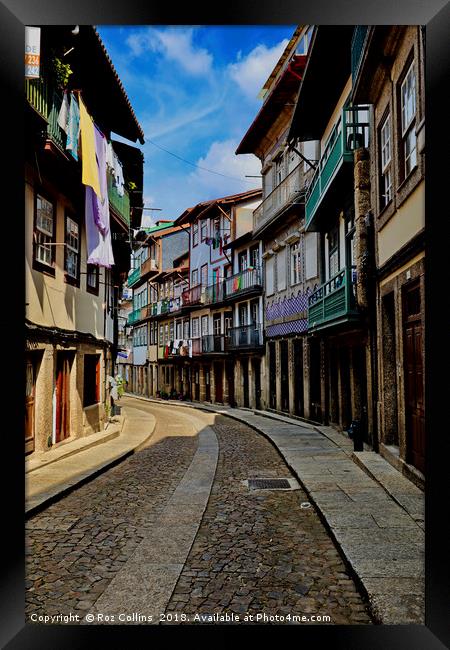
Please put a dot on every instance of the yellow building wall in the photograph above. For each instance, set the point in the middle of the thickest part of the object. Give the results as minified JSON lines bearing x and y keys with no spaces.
{"x":49,"y":300}
{"x":408,"y":220}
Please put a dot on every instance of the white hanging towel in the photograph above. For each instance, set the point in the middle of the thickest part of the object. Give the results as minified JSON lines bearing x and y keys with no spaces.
{"x":63,"y":116}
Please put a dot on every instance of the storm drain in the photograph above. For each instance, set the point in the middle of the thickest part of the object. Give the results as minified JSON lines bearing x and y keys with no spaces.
{"x":271,"y":484}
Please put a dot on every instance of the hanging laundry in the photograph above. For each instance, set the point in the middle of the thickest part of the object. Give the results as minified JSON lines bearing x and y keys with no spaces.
{"x":98,"y":233}
{"x":89,"y":173}
{"x":110,"y":156}
{"x":220,"y":246}
{"x":63,"y":116}
{"x":118,"y":176}
{"x":73,"y":127}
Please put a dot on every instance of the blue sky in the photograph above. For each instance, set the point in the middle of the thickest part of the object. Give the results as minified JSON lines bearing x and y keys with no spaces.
{"x":194,"y":90}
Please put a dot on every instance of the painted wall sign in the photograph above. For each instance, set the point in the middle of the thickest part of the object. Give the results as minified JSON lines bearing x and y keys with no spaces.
{"x":32,"y":52}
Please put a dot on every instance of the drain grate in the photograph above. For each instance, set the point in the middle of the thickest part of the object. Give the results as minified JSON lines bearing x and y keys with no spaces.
{"x":269,"y":484}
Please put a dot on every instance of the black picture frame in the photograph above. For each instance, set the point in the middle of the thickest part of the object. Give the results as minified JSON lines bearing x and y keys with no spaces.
{"x":435,"y":14}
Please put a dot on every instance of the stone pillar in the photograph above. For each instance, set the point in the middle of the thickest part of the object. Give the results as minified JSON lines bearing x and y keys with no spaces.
{"x":212,"y":379}
{"x":264,"y":381}
{"x":238,"y":383}
{"x":43,"y":400}
{"x":251,"y":385}
{"x":278,"y":376}
{"x":226,"y":397}
{"x":324,"y":382}
{"x":291,"y":366}
{"x":202,"y":383}
{"x":177,"y":379}
{"x":362,"y":207}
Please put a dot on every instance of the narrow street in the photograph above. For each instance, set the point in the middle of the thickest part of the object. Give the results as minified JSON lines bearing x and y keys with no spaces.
{"x":256,"y":551}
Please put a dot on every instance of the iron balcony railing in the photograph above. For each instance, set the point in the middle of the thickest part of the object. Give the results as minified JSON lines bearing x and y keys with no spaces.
{"x":213,"y":343}
{"x":193,"y":296}
{"x":350,"y":132}
{"x":214,"y":293}
{"x":334,"y":300}
{"x":286,"y":192}
{"x":245,"y":336}
{"x":246,"y":280}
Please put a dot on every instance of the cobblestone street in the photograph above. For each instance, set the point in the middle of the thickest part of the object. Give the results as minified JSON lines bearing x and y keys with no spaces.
{"x":256,"y":551}
{"x":259,"y":551}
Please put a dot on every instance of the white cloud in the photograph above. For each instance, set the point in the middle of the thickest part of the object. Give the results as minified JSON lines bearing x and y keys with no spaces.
{"x":175,"y":44}
{"x":252,"y":71}
{"x":221,"y":158}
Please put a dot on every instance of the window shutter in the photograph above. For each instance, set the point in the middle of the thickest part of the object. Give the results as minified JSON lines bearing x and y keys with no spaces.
{"x":281,"y":270}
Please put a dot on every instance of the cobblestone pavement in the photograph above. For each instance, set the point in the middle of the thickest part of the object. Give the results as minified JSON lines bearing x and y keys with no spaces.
{"x":256,"y":551}
{"x":76,"y":546}
{"x":260,"y":552}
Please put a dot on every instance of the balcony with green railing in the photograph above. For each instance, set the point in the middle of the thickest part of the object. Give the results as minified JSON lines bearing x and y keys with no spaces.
{"x":47,"y":102}
{"x":334,"y":302}
{"x":120,"y":204}
{"x":358,"y":46}
{"x":350,"y":132}
{"x":134,"y":317}
{"x":134,"y":277}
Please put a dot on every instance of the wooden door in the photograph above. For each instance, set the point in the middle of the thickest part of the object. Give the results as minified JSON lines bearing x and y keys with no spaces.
{"x":62,"y":424}
{"x":272,"y":376}
{"x":30,"y":394}
{"x":284,"y":366}
{"x":414,"y":397}
{"x":414,"y":380}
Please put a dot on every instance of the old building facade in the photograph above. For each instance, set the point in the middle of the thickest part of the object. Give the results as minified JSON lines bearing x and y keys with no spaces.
{"x":71,"y":305}
{"x":396,"y":199}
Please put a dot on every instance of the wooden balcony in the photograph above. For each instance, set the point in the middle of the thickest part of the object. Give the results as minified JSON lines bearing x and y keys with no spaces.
{"x":334,"y":302}
{"x":286,"y":192}
{"x":119,"y":204}
{"x":350,"y":132}
{"x":134,"y":277}
{"x":47,"y":103}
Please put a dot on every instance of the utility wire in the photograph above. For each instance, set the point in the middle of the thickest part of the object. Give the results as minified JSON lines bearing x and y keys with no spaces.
{"x":241,"y":180}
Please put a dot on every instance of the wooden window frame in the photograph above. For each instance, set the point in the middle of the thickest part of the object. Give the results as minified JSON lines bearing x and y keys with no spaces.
{"x":203,"y":229}
{"x":385,"y":166}
{"x":49,"y":269}
{"x":408,"y":129}
{"x":195,"y":234}
{"x":89,"y":288}
{"x":69,"y":279}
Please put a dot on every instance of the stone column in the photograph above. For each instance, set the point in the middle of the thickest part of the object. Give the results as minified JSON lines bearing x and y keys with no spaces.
{"x":43,"y":400}
{"x":278,"y":375}
{"x":362,"y":207}
{"x":202,"y":383}
{"x":291,"y":366}
{"x":238,"y":383}
{"x":251,"y":385}
{"x":226,"y":397}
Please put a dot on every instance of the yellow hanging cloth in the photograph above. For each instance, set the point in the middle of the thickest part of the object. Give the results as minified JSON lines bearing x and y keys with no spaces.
{"x":89,"y":175}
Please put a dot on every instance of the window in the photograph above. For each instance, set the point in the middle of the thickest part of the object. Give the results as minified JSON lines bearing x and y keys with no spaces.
{"x":295,"y":264}
{"x":91,"y":379}
{"x":179,"y":329}
{"x":195,"y":234}
{"x":408,"y":115}
{"x":254,"y":257}
{"x":203,"y":229}
{"x":243,"y":314}
{"x":171,"y":331}
{"x":242,"y":259}
{"x":333,"y":252}
{"x":228,"y":322}
{"x":281,"y":269}
{"x":161,"y":336}
{"x":186,"y":329}
{"x":204,"y":275}
{"x":72,"y":249}
{"x":44,"y":234}
{"x":92,"y":279}
{"x":254,"y":310}
{"x":166,"y":333}
{"x":386,"y":167}
{"x":205,"y":320}
{"x":217,"y":324}
{"x":194,"y":278}
{"x":270,"y":272}
{"x":195,"y":331}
